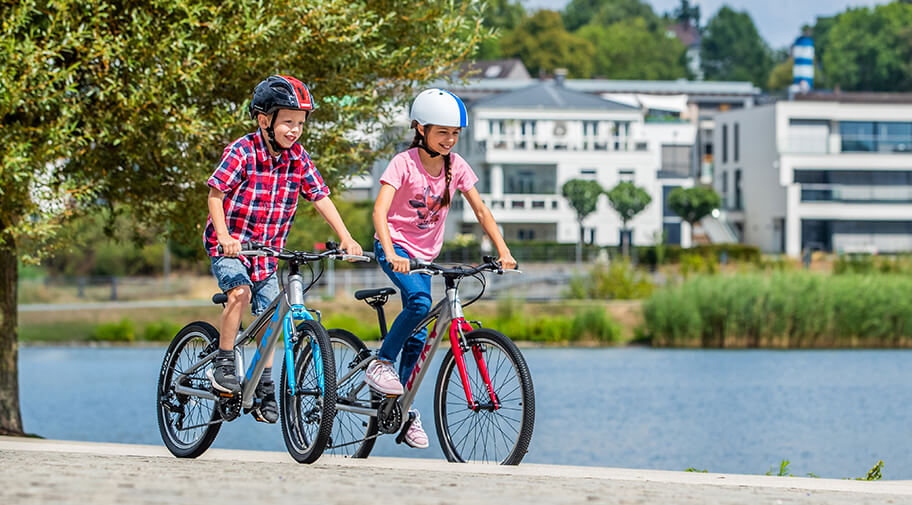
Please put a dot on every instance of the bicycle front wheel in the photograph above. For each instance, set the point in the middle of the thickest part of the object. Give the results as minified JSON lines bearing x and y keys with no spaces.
{"x":307,"y":415}
{"x":188,"y":424}
{"x":354,"y":433}
{"x":488,"y":431}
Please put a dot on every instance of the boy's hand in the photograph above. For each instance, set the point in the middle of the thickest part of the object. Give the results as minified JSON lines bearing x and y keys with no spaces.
{"x":351,"y":247}
{"x":230,"y":246}
{"x":506,"y":261}
{"x":398,"y":263}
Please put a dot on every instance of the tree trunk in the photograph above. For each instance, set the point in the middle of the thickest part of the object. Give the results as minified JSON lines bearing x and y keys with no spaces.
{"x":579,"y":246}
{"x":10,"y":417}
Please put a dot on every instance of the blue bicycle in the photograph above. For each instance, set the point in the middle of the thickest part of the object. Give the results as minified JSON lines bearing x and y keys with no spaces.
{"x":190,"y":411}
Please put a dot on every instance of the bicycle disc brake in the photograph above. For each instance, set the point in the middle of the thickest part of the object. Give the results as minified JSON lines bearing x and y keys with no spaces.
{"x":389,"y":415}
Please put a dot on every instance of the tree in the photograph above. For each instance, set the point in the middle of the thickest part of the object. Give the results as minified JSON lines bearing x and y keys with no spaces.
{"x":129,"y":105}
{"x":732,"y":49}
{"x":630,"y":50}
{"x":687,"y":14}
{"x":628,"y":200}
{"x":502,"y":16}
{"x":871,"y":49}
{"x":543,"y":44}
{"x":579,"y":13}
{"x":693,"y":204}
{"x":583,"y":197}
{"x":781,"y":77}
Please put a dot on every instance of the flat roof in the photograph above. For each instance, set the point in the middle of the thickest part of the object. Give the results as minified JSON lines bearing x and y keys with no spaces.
{"x":675,"y":87}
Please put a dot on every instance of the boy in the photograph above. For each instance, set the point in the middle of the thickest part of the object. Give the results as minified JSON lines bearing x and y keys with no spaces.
{"x":253,"y":196}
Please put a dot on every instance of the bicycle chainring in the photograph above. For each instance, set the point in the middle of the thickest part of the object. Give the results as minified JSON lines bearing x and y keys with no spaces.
{"x":229,"y":408}
{"x":389,"y":415}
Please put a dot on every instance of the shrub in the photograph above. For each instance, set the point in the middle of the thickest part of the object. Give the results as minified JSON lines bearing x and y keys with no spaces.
{"x":618,"y":281}
{"x":123,"y":331}
{"x":161,"y":331}
{"x":594,"y":323}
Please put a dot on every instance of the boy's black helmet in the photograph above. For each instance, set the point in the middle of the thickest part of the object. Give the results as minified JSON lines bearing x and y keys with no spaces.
{"x":280,"y":92}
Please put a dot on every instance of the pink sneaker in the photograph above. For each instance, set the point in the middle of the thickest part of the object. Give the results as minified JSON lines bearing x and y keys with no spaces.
{"x":415,"y":436}
{"x":381,"y":376}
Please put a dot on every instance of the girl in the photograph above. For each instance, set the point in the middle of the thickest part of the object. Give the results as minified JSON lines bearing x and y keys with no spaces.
{"x":411,"y":208}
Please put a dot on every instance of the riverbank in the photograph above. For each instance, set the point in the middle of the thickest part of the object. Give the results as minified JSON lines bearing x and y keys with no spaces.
{"x":49,"y":471}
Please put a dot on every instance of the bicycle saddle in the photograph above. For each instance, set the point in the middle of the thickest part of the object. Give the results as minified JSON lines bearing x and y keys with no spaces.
{"x":370,"y":293}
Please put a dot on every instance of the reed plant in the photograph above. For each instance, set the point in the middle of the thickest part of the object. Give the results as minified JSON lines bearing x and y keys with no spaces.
{"x":782,"y":310}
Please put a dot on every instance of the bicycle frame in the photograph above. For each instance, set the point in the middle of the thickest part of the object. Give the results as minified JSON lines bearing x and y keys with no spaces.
{"x":450,"y":321}
{"x":279,"y":319}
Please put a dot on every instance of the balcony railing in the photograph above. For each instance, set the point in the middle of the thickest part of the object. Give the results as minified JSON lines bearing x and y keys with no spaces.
{"x":523,"y":202}
{"x":853,"y":143}
{"x":855,"y":194}
{"x":510,"y":143}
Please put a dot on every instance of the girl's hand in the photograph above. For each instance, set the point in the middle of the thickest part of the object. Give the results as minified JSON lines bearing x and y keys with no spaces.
{"x":398,"y":263}
{"x":230,"y":246}
{"x":506,"y":261}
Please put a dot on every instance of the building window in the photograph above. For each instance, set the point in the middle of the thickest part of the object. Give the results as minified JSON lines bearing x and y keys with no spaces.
{"x":725,"y":189}
{"x":738,"y":202}
{"x":736,"y":140}
{"x":676,"y":160}
{"x":868,"y":136}
{"x":526,"y":234}
{"x":725,"y":143}
{"x":625,"y":175}
{"x":588,"y":173}
{"x":527,"y":128}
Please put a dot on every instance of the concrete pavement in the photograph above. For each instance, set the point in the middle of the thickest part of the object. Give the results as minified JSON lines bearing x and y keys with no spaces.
{"x":34,"y":471}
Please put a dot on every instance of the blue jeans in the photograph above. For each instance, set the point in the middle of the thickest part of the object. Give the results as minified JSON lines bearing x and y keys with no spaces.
{"x":416,"y":303}
{"x":231,"y":273}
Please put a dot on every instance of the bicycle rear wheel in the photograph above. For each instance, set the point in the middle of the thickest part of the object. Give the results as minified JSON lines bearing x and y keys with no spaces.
{"x":188,"y":424}
{"x":307,"y":416}
{"x":488,"y":433}
{"x":353,"y":434}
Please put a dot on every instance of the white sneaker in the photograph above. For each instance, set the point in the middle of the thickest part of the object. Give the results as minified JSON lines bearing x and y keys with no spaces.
{"x":381,"y":376}
{"x":415,"y":436}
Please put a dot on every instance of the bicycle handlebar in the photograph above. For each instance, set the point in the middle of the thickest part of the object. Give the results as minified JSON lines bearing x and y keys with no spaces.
{"x":332,"y":251}
{"x":490,"y":264}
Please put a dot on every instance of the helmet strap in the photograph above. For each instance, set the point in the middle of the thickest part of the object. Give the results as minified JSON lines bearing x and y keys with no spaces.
{"x":270,"y":135}
{"x":427,"y":149}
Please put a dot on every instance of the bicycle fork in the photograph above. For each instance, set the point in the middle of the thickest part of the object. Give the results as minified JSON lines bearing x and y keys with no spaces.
{"x":457,"y":339}
{"x":288,"y":326}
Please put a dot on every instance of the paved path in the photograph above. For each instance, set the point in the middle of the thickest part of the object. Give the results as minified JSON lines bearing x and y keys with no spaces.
{"x":59,"y":472}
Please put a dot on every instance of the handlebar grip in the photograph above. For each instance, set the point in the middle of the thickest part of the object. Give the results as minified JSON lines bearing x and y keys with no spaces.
{"x":245,"y":247}
{"x":370,"y":254}
{"x":414,"y":264}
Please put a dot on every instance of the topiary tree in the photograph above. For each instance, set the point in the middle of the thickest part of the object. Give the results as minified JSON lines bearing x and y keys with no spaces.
{"x":693,"y":204}
{"x":583,"y":197}
{"x":129,"y":105}
{"x":628,"y":200}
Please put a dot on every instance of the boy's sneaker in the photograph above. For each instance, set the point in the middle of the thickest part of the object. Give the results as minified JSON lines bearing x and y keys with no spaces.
{"x":415,"y":436}
{"x":381,"y":376}
{"x":268,"y":409}
{"x":223,"y":376}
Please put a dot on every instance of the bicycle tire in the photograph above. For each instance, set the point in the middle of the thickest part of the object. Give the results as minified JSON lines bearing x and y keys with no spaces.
{"x":485,"y":435}
{"x":307,"y":416}
{"x":349,"y":427}
{"x":197,"y":338}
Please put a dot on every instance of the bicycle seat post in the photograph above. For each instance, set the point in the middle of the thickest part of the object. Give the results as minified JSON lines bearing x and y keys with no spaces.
{"x":381,"y":315}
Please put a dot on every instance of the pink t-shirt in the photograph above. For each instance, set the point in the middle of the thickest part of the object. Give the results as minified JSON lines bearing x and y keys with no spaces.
{"x":415,"y":216}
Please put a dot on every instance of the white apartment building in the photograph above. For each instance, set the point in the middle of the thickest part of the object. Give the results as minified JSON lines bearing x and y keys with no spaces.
{"x":526,"y":143}
{"x":825,"y":171}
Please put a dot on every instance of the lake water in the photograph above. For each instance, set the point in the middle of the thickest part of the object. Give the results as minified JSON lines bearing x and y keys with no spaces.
{"x":831,"y":413}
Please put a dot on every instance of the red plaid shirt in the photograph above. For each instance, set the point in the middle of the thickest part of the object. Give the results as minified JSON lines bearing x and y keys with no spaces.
{"x":261,"y":196}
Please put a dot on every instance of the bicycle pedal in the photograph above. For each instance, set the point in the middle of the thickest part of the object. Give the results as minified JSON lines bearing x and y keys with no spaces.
{"x":225,"y":395}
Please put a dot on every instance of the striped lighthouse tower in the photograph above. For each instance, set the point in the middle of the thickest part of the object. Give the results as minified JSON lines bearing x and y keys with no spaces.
{"x":803,"y":69}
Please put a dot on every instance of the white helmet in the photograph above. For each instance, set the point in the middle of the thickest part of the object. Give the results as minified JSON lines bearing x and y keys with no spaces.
{"x":439,"y":107}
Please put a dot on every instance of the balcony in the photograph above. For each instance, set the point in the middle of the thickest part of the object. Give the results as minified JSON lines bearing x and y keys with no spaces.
{"x":518,"y":208}
{"x":861,"y":143}
{"x":845,"y":193}
{"x":589,"y":143}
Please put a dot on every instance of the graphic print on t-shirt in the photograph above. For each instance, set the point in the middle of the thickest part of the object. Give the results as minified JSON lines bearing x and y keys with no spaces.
{"x":427,"y":206}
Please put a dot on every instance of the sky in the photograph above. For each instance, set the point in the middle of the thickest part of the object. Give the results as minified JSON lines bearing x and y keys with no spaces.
{"x":779,"y":21}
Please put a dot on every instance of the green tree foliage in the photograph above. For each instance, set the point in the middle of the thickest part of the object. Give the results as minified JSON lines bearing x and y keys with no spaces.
{"x":781,"y":77}
{"x":543,"y":44}
{"x":693,"y":204}
{"x":628,"y":200}
{"x":871,"y":49}
{"x":579,"y":13}
{"x":131,"y":104}
{"x":583,"y":196}
{"x":732,"y":49}
{"x":631,"y":50}
{"x":686,"y":13}
{"x":502,"y":16}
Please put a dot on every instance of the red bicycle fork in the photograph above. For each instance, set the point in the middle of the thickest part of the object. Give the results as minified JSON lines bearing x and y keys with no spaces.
{"x":457,"y":327}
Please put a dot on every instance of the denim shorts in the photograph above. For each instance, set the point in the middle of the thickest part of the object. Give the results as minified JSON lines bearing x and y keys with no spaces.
{"x":231,"y":273}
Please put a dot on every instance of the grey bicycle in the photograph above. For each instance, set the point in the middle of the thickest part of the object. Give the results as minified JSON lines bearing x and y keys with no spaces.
{"x":484,"y":402}
{"x":190,"y":411}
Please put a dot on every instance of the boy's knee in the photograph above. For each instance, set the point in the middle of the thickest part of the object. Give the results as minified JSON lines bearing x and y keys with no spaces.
{"x":240,"y":295}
